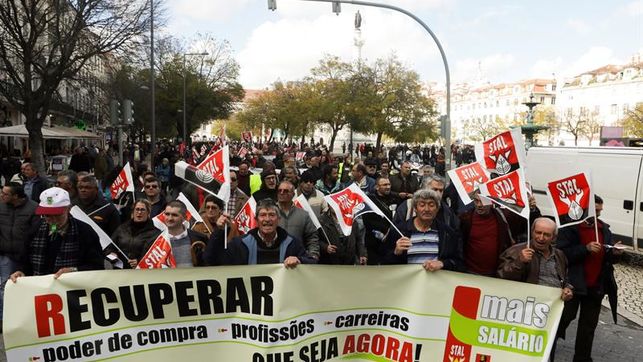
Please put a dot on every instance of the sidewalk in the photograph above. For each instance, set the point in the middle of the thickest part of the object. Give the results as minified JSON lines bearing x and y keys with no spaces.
{"x":630,"y":289}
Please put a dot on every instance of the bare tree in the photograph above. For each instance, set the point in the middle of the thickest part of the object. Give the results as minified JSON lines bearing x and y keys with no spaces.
{"x":575,"y":124}
{"x":46,"y":43}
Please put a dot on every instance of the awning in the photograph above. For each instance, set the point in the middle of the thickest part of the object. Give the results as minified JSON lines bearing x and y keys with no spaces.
{"x":56,"y":132}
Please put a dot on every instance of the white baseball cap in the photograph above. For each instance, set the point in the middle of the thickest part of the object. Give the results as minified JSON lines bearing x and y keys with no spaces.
{"x":53,"y":201}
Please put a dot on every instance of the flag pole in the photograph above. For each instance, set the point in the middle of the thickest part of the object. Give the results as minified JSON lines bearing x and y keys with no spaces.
{"x":528,"y":233}
{"x":596,"y":227}
{"x":225,"y":227}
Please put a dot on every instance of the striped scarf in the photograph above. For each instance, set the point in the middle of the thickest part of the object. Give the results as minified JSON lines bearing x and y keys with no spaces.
{"x":67,"y":255}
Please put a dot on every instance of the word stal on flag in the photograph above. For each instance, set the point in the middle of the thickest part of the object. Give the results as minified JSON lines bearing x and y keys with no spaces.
{"x":123,"y":183}
{"x":467,"y":179}
{"x":572,"y":198}
{"x":349,"y":204}
{"x":503,"y":153}
{"x":508,"y":191}
{"x":159,"y":255}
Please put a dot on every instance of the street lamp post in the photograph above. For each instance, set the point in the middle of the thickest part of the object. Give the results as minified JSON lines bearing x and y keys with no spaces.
{"x":447,"y":141}
{"x":153,"y":146}
{"x":184,"y":86}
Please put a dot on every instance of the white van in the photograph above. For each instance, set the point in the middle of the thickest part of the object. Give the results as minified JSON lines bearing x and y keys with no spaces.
{"x":615,"y":173}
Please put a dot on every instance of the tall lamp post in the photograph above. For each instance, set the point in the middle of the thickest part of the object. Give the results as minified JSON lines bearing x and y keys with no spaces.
{"x":153,"y":146}
{"x":272,"y":5}
{"x":185,"y":55}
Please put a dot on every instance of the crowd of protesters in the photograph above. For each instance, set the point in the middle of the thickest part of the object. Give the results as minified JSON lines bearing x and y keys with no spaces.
{"x":431,"y":226}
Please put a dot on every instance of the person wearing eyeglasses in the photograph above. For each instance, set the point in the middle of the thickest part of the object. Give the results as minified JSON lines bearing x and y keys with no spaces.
{"x":210,"y":211}
{"x":133,"y":234}
{"x":268,"y":188}
{"x":152,"y":190}
{"x":314,"y":197}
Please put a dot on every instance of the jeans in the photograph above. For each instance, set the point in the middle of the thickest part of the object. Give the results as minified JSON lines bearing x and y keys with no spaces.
{"x":7,"y":267}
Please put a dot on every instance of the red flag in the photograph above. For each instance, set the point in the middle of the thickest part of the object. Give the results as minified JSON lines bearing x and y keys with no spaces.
{"x":159,"y":255}
{"x":509,"y":191}
{"x":299,"y":156}
{"x":218,"y":165}
{"x":572,"y":198}
{"x":243,"y":152}
{"x":245,"y":219}
{"x":350,"y":203}
{"x":124,"y":182}
{"x":503,"y":153}
{"x":467,"y":178}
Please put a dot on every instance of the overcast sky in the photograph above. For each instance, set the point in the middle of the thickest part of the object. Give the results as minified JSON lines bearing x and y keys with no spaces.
{"x":509,"y":40}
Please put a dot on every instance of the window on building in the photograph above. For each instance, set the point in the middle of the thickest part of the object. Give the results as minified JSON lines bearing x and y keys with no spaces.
{"x":626,"y":108}
{"x":597,"y":109}
{"x":553,"y":100}
{"x":614,"y":109}
{"x":542,"y":100}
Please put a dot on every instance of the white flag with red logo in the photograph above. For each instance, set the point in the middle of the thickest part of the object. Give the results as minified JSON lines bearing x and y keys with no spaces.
{"x":467,"y":179}
{"x":242,"y":152}
{"x":217,"y":164}
{"x":509,"y":191}
{"x":572,"y":198}
{"x":503,"y":153}
{"x":159,"y":255}
{"x":299,"y":156}
{"x":123,"y":183}
{"x":301,"y":202}
{"x":350,"y":203}
{"x":245,"y":219}
{"x":246,"y":136}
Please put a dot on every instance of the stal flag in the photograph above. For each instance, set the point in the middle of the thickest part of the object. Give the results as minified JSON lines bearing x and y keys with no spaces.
{"x":467,"y":179}
{"x":299,"y":156}
{"x":503,"y":153}
{"x":509,"y":191}
{"x":572,"y":198}
{"x":350,"y":203}
{"x":301,"y":202}
{"x":116,"y":256}
{"x":197,"y":177}
{"x":160,"y":254}
{"x":245,"y":219}
{"x":123,"y":183}
{"x":217,"y":164}
{"x":242,"y":152}
{"x":246,"y":136}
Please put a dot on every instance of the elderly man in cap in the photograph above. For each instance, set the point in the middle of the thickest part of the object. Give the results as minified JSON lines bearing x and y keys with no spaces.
{"x":61,"y":244}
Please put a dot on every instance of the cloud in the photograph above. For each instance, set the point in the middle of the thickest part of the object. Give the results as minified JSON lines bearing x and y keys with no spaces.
{"x":546,"y":68}
{"x":578,"y":26}
{"x":211,"y":10}
{"x":633,"y":9}
{"x":286,"y":49}
{"x":593,"y":58}
{"x":482,"y":69}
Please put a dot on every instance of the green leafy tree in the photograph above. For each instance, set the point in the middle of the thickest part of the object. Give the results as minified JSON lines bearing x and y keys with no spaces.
{"x":46,"y":44}
{"x":633,"y":121}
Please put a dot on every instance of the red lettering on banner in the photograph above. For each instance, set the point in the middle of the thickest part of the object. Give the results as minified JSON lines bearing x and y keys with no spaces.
{"x":379,"y":345}
{"x":49,"y":307}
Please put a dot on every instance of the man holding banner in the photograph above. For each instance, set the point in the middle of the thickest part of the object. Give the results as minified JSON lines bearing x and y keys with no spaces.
{"x":426,"y":239}
{"x":539,"y":264}
{"x":266,"y":244}
{"x":61,"y":244}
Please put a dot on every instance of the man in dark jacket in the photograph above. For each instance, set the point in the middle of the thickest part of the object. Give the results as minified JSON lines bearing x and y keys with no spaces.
{"x":102,"y":212}
{"x":265,"y":244}
{"x":33,"y":183}
{"x":404,"y":184}
{"x":376,"y":225}
{"x":540,"y":263}
{"x":18,"y":223}
{"x":591,"y":272}
{"x":61,"y":244}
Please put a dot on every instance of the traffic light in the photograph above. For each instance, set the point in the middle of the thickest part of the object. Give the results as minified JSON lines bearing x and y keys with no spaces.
{"x":115,"y":112}
{"x":443,"y":126}
{"x":128,"y":111}
{"x":337,"y":7}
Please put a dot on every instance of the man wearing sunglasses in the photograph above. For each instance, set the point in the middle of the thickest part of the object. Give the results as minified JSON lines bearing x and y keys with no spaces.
{"x":152,"y":190}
